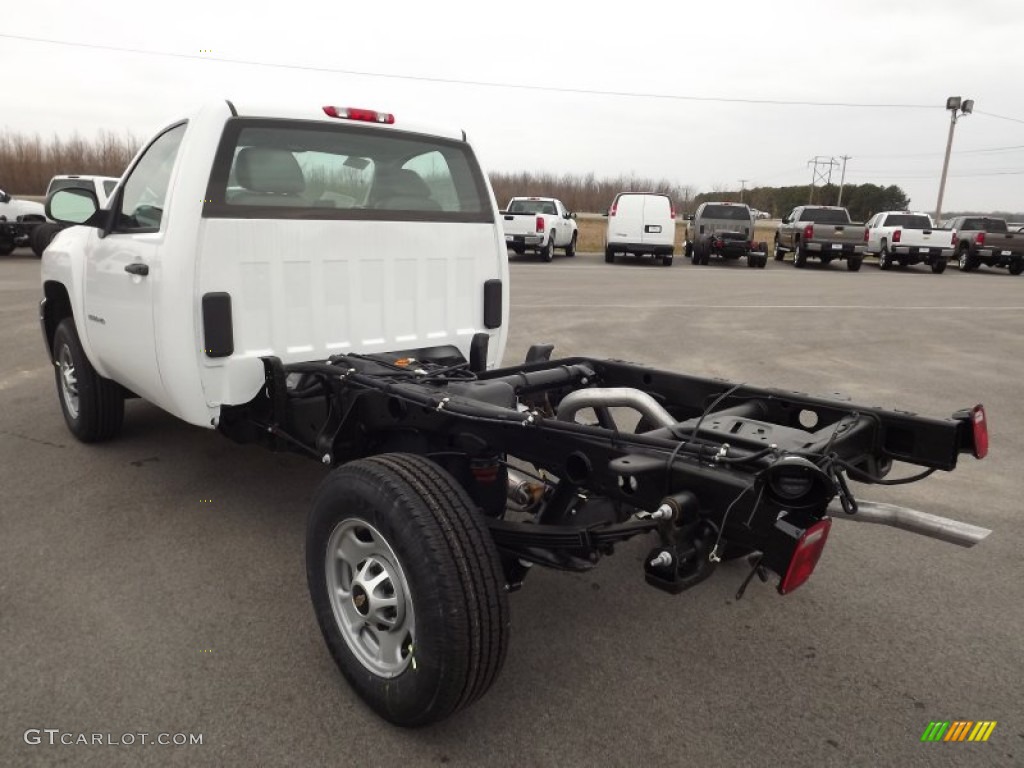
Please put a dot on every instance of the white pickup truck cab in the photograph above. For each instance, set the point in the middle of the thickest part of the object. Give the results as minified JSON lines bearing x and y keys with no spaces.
{"x":239,"y":233}
{"x":907,"y":238}
{"x":539,"y":224}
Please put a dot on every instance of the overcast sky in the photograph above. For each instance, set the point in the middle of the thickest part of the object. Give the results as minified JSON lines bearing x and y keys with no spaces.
{"x":867,"y":52}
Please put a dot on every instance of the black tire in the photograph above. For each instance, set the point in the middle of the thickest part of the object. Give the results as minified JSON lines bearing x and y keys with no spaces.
{"x":42,"y":236}
{"x":570,"y":249}
{"x":884,"y":258}
{"x":609,"y":255}
{"x":688,"y":250}
{"x":800,"y":256}
{"x":1016,"y":266}
{"x":780,"y":255}
{"x":966,"y":262}
{"x":762,"y":261}
{"x":93,"y":406}
{"x":444,"y":558}
{"x":518,"y":250}
{"x":853,"y":263}
{"x":547,"y":253}
{"x":667,"y":260}
{"x":939,"y":266}
{"x":6,"y":246}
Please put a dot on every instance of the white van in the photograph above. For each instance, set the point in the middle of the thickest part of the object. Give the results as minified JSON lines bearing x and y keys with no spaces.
{"x":641,"y":223}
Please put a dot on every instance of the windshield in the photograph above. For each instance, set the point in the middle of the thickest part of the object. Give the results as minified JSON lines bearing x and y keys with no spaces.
{"x":908,"y":220}
{"x":532,"y":206}
{"x":730,"y":212}
{"x":292,"y":169}
{"x":825,"y":215}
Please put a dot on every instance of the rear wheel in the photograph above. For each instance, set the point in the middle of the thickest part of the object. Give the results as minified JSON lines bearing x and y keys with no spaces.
{"x":1016,"y":266}
{"x":780,"y":254}
{"x":407,"y":587}
{"x":609,"y":255}
{"x":6,"y":246}
{"x":667,"y":260}
{"x":939,"y":266}
{"x":93,"y":406}
{"x":688,"y":250}
{"x":570,"y":249}
{"x":964,"y":259}
{"x":547,"y":253}
{"x":800,"y":256}
{"x":853,"y":263}
{"x":42,"y":236}
{"x":884,"y":257}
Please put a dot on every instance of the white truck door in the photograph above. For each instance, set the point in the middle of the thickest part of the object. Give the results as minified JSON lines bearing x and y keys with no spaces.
{"x":627,"y":224}
{"x":657,"y":218}
{"x":120,"y":270}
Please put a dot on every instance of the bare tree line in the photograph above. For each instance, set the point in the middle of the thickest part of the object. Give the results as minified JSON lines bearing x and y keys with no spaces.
{"x":583,"y":192}
{"x":28,"y":161}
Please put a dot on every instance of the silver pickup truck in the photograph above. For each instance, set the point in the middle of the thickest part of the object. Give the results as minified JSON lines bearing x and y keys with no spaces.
{"x":985,"y":240}
{"x":822,"y":231}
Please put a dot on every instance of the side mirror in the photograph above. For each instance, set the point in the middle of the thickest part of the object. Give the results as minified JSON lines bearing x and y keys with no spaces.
{"x":572,"y":215}
{"x":72,"y":206}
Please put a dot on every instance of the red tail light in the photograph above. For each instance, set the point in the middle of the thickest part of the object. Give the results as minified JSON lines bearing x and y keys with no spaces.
{"x":980,"y":425}
{"x":808,"y":232}
{"x":979,"y":239}
{"x":952,"y":240}
{"x":611,"y":211}
{"x":540,"y":223}
{"x":897,"y":235}
{"x":866,"y":233}
{"x":805,"y":556}
{"x":354,"y":113}
{"x":672,"y":212}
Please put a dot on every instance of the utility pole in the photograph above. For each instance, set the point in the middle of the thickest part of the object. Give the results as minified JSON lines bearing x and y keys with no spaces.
{"x":743,"y":187}
{"x":842,"y":179}
{"x":824,"y":175}
{"x":955,"y":105}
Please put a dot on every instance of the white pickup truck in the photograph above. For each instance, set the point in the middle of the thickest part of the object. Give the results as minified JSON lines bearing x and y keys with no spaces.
{"x":907,"y":238}
{"x":539,"y":224}
{"x":18,"y":221}
{"x":334,"y":282}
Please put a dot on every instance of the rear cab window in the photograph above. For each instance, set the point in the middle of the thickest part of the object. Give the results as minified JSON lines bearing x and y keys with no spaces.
{"x":909,"y":221}
{"x":825,"y":216}
{"x":729,"y":212}
{"x":532,"y":206}
{"x":274,"y":169}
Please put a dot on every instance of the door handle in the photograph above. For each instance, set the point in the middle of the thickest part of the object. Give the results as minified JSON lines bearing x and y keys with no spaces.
{"x":137,"y":269}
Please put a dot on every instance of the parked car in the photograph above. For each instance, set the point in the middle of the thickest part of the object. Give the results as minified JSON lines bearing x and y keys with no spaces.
{"x":539,"y":224}
{"x":906,"y":238}
{"x":641,"y":224}
{"x":760,"y":214}
{"x":101,"y":186}
{"x":18,"y":220}
{"x":986,"y":240}
{"x":724,"y":230}
{"x":824,"y":232}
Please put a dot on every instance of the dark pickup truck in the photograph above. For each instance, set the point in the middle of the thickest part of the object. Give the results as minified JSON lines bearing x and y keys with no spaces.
{"x":985,"y":240}
{"x":824,"y":232}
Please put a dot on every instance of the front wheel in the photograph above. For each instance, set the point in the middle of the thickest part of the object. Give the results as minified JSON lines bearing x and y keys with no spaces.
{"x":407,"y":587}
{"x":93,"y":406}
{"x":570,"y":249}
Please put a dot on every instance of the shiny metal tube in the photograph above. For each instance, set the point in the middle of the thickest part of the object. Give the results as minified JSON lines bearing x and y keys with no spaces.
{"x":933,"y":526}
{"x":614,"y":397}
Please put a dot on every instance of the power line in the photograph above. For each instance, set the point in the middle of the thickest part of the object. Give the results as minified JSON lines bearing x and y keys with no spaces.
{"x":999,"y":117}
{"x":1010,"y":148}
{"x":478,"y":83}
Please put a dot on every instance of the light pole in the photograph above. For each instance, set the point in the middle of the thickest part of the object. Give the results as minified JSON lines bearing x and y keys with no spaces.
{"x":743,"y":187}
{"x":956,"y":106}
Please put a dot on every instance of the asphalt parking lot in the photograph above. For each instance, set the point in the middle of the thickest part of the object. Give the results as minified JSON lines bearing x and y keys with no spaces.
{"x":157,"y":584}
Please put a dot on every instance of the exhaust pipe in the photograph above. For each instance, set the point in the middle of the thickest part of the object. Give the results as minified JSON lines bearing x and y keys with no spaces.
{"x":933,"y":526}
{"x":613,"y":397}
{"x":524,"y":491}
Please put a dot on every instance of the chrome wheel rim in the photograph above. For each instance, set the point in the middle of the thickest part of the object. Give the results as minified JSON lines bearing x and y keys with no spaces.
{"x":370,"y":597}
{"x":68,"y":380}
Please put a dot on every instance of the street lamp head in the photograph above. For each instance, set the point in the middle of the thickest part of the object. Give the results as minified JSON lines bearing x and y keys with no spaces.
{"x":967,"y":107}
{"x":953,"y":102}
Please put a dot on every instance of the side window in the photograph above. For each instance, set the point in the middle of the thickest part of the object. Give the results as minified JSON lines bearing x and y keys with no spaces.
{"x":145,"y":189}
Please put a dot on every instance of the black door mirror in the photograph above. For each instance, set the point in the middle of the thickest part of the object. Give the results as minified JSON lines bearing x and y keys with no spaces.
{"x":72,"y":206}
